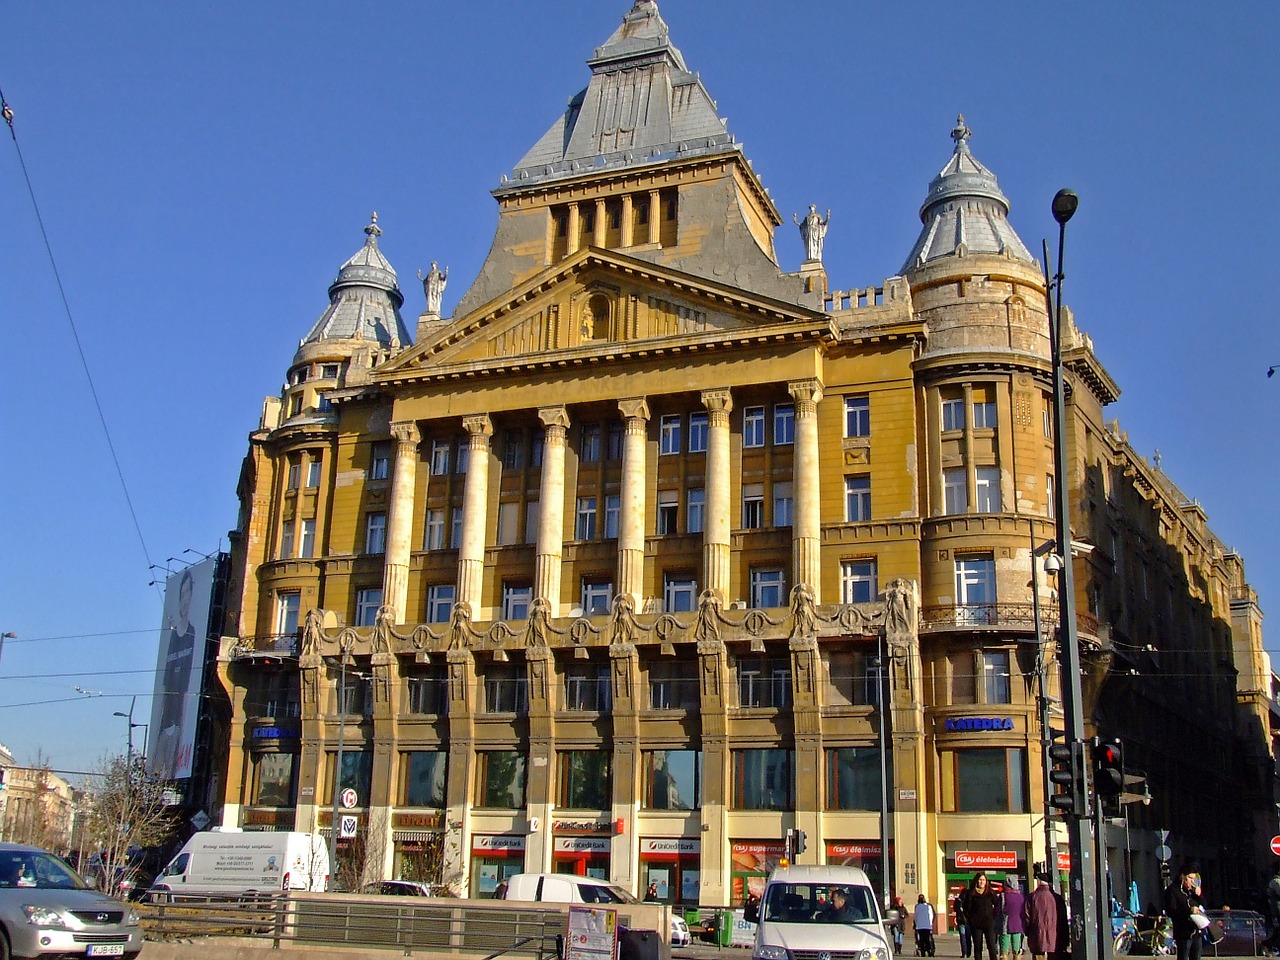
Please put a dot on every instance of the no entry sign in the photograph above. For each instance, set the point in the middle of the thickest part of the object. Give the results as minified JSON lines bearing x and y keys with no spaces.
{"x":1275,"y":846}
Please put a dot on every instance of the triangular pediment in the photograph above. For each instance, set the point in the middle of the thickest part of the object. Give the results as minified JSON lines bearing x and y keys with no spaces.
{"x":595,"y":305}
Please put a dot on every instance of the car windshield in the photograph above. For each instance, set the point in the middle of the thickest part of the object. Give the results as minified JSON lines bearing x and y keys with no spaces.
{"x":34,"y":869}
{"x":818,"y":903}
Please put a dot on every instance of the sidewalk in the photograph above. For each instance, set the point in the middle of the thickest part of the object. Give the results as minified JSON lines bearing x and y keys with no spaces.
{"x":948,"y":945}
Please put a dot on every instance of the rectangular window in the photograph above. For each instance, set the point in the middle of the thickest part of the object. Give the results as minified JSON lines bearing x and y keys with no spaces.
{"x":352,"y":694}
{"x":586,"y":688}
{"x":975,"y":589}
{"x":440,"y":457}
{"x":698,"y":433}
{"x":515,"y":601}
{"x":585,"y":527}
{"x":752,"y":506}
{"x":857,"y":499}
{"x":380,"y":460}
{"x":428,"y":691}
{"x":313,"y":474}
{"x":753,"y":427}
{"x":783,"y":505}
{"x":668,"y":512}
{"x":532,"y":519}
{"x":273,"y":779}
{"x":955,"y":490}
{"x":439,"y":602}
{"x":614,"y":441}
{"x":984,"y":414}
{"x":768,"y":588}
{"x":307,"y":546}
{"x":764,"y":682}
{"x":464,"y":456}
{"x":505,"y":689}
{"x":597,"y":596}
{"x":329,"y":371}
{"x":984,"y":780}
{"x":762,"y":780}
{"x":987,"y":489}
{"x":500,"y":779}
{"x":589,"y":448}
{"x":612,"y":512}
{"x":286,"y":540}
{"x":669,"y":434}
{"x":853,"y":679}
{"x":323,"y":403}
{"x":356,"y":773}
{"x":953,"y":413}
{"x":295,"y":405}
{"x":287,"y":607}
{"x":295,"y":473}
{"x":964,"y":685}
{"x":1051,"y":498}
{"x":853,"y":778}
{"x":425,"y":778}
{"x":673,"y":685}
{"x":679,"y":593}
{"x":695,"y":503}
{"x":368,"y":601}
{"x":584,"y":780}
{"x":508,"y":523}
{"x":1046,"y":417}
{"x":672,"y":779}
{"x":858,"y":581}
{"x":784,"y":424}
{"x":535,"y":448}
{"x":434,"y":530}
{"x":375,"y":533}
{"x":455,"y":529}
{"x":995,"y":672}
{"x":512,"y":450}
{"x":857,"y":416}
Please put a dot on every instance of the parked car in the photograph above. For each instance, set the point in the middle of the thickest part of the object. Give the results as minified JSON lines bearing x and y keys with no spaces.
{"x":46,"y":908}
{"x":680,"y":935}
{"x":1243,"y":934}
{"x":397,"y":888}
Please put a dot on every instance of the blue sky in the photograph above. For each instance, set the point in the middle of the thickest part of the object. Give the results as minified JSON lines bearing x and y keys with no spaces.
{"x":203,"y":170}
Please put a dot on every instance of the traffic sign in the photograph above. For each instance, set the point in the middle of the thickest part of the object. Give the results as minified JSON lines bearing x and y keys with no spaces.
{"x":1163,"y":853}
{"x":1275,"y":846}
{"x":349,"y":798}
{"x":347,"y":825}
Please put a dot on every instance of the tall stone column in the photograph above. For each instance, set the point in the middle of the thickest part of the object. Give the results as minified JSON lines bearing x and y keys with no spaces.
{"x":806,"y":529}
{"x":475,"y":501}
{"x":715,"y":537}
{"x":550,"y":555}
{"x":655,"y":214}
{"x":631,"y":523}
{"x":628,"y":228}
{"x":572,"y":229}
{"x":395,"y":573}
{"x":601,"y":225}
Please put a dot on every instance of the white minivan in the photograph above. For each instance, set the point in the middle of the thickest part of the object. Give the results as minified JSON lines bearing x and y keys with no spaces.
{"x":816,"y":909}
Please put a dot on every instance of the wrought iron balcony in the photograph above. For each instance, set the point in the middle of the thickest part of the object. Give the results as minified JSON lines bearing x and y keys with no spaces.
{"x":1005,"y":616}
{"x":272,"y":645}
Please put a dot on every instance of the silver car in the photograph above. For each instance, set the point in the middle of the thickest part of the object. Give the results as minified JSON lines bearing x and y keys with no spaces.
{"x":45,"y":908}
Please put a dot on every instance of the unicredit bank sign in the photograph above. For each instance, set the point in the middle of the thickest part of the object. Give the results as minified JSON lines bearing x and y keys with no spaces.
{"x":969,"y":724}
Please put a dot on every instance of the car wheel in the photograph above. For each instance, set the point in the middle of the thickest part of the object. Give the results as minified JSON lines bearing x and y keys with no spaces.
{"x":5,"y":951}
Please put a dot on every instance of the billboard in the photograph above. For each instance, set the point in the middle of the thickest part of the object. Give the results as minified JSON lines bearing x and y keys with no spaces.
{"x":180,"y":671}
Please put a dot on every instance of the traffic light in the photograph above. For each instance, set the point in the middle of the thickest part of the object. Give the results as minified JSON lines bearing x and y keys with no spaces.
{"x":1067,"y":771}
{"x":1108,"y":767}
{"x":794,"y":846}
{"x":799,"y":843}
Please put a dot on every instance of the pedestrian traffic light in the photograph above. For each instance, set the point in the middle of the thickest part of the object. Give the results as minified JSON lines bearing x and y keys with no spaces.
{"x":1067,"y":772}
{"x":1108,"y":767}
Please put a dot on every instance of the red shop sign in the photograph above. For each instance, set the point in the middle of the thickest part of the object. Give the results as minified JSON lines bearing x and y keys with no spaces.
{"x":986,"y":860}
{"x":1064,"y":861}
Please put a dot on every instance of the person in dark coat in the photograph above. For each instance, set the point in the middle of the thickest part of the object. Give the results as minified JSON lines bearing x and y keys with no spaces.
{"x":1182,"y":902}
{"x":962,"y":921}
{"x":980,"y":908}
{"x":1040,"y":920}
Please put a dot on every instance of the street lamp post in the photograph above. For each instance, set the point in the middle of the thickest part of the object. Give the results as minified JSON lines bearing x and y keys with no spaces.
{"x":337,"y":763}
{"x":1085,"y":932}
{"x":128,"y":757}
{"x":1042,"y":697}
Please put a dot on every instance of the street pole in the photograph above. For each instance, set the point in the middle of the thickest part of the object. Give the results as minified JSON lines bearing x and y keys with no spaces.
{"x":1046,"y":719}
{"x":1084,"y":907}
{"x":337,"y":766}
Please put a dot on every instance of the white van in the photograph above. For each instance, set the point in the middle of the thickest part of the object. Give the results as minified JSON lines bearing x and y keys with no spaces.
{"x":564,"y":888}
{"x":819,"y":909}
{"x":220,"y":863}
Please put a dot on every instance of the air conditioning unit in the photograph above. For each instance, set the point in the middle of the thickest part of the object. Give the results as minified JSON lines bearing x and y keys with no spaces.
{"x":738,"y":605}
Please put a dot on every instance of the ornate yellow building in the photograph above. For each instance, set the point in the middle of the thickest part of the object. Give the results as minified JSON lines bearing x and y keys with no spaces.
{"x":614,"y":570}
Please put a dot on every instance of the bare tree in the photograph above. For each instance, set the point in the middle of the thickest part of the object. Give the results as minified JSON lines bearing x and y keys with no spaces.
{"x":127,"y":814}
{"x":38,"y":813}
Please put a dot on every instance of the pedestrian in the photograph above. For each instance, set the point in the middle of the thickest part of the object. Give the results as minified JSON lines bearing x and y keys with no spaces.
{"x":900,"y":924}
{"x":1040,"y":920}
{"x":980,"y":909}
{"x":1183,"y":905}
{"x":1272,"y":906}
{"x":923,"y":920}
{"x":961,"y":919}
{"x":651,"y":894}
{"x":1011,"y":937}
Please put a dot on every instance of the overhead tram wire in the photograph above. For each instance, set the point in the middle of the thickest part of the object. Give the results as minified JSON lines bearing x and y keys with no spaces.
{"x":7,"y":112}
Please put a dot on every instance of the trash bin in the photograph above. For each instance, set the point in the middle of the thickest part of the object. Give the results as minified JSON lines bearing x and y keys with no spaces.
{"x":642,"y":945}
{"x":724,"y":927}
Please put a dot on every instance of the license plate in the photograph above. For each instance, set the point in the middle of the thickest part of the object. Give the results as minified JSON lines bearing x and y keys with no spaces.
{"x":106,"y":950}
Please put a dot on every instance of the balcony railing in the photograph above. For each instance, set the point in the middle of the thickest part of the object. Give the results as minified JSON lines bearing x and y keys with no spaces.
{"x":1020,"y":616}
{"x":269,"y":645}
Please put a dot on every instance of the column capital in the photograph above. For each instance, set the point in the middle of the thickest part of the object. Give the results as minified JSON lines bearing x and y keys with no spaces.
{"x":634,"y":408}
{"x":718,"y":401}
{"x":809,"y":389}
{"x":554,"y":416}
{"x":478,"y":426}
{"x":406,"y":431}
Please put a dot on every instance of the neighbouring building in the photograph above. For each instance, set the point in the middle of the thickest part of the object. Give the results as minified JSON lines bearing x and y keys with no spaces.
{"x":654,"y":550}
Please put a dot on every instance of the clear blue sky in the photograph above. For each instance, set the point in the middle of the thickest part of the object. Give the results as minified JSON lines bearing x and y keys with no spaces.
{"x":203,"y":170}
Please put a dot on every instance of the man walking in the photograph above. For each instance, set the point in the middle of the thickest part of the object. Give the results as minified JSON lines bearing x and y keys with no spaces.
{"x":1040,"y":920}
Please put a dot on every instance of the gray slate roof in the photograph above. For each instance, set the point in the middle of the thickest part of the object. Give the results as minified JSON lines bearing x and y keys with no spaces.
{"x":642,"y":106}
{"x":364,"y":299}
{"x":965,"y":206}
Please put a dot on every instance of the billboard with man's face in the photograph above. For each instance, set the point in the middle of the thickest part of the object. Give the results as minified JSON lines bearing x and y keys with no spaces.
{"x":180,"y":671}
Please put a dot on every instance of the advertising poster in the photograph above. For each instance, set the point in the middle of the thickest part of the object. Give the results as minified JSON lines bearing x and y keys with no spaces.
{"x":593,"y":934}
{"x":180,"y":671}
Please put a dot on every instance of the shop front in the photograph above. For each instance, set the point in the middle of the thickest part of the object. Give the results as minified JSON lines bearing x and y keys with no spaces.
{"x":584,"y":856}
{"x":494,"y":859}
{"x":963,"y":862}
{"x":418,"y":842}
{"x":864,"y":854}
{"x":672,"y":867}
{"x":752,"y":862}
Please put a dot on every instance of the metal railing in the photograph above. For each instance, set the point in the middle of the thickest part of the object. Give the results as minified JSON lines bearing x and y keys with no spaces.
{"x":1019,"y":615}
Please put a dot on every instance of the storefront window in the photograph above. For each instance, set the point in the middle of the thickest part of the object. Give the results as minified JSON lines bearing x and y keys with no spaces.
{"x":672,"y":779}
{"x":424,"y":778}
{"x":762,"y":780}
{"x":584,"y":780}
{"x":501,"y":779}
{"x":853,"y":778}
{"x":984,"y":780}
{"x":495,"y":859}
{"x":274,"y":776}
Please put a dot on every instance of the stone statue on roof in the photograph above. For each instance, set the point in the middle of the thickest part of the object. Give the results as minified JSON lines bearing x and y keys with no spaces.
{"x":813,"y":230}
{"x":433,"y":285}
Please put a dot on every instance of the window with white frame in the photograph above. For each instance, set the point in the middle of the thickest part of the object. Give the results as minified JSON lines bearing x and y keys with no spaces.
{"x":679,"y":593}
{"x":952,"y":413}
{"x":955,"y":490}
{"x":516,"y":598}
{"x":589,"y":449}
{"x":669,"y":434}
{"x":784,"y":424}
{"x":329,"y":371}
{"x":433,"y":535}
{"x":995,"y":672}
{"x":288,"y":603}
{"x":1046,"y":416}
{"x":668,"y":512}
{"x":368,"y":600}
{"x":286,"y":540}
{"x":1051,"y":498}
{"x":313,"y":473}
{"x":695,"y":504}
{"x":532,"y":519}
{"x":783,"y":505}
{"x":295,"y":474}
{"x":753,"y":427}
{"x":455,"y":529}
{"x":307,"y":544}
{"x":439,"y":602}
{"x":857,"y":498}
{"x":857,"y":415}
{"x":698,"y":432}
{"x":440,"y":457}
{"x":508,"y":531}
{"x":764,"y":682}
{"x":984,"y":414}
{"x":585,"y":526}
{"x":597,"y":595}
{"x":987,"y":489}
{"x":768,"y":588}
{"x":612,"y":511}
{"x":586,"y":687}
{"x":975,"y":588}
{"x":375,"y":533}
{"x":752,"y":506}
{"x":380,"y":460}
{"x":858,"y":581}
